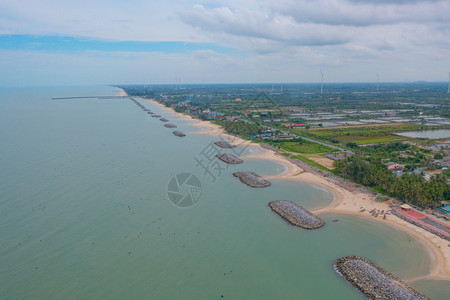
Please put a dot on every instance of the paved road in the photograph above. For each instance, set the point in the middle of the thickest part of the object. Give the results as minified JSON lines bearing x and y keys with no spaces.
{"x":312,"y":140}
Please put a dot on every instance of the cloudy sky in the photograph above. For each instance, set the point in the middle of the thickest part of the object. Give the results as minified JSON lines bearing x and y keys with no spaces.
{"x":61,"y":42}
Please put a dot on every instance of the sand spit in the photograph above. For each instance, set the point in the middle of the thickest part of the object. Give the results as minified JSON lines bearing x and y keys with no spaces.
{"x":225,"y":144}
{"x":164,"y":120}
{"x":178,"y":133}
{"x":296,"y":215}
{"x":373,"y":281}
{"x":252,"y":179}
{"x":170,"y":125}
{"x":229,"y":158}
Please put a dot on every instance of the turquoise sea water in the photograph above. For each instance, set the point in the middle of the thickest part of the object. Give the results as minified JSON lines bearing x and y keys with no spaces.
{"x":84,"y":213}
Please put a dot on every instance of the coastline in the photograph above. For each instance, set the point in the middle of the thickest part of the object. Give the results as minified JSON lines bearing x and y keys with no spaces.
{"x":345,"y":201}
{"x":122,"y":93}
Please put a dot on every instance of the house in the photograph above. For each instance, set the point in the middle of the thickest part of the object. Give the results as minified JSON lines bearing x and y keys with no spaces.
{"x":405,"y":207}
{"x":393,"y":166}
{"x":294,"y":125}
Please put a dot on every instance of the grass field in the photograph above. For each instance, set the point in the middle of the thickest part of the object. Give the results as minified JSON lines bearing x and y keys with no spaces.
{"x":304,"y":147}
{"x":310,"y":162}
{"x":370,"y":134}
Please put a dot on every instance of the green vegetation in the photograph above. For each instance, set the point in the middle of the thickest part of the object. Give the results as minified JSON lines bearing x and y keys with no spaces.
{"x":369,"y":134}
{"x":409,"y":187}
{"x":258,"y":113}
{"x":300,"y":145}
{"x":310,"y":162}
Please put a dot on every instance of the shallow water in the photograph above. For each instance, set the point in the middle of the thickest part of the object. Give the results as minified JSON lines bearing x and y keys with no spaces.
{"x":427,"y":134}
{"x":85,"y":213}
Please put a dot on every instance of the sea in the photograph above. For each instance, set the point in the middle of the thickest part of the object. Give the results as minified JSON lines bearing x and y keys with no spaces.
{"x":90,"y":208}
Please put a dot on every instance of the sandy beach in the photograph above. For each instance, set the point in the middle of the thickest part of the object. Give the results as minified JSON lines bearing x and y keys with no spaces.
{"x":345,"y":201}
{"x":122,"y":93}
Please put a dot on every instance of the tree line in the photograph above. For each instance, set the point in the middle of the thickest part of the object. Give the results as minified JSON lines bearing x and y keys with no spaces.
{"x":412,"y":188}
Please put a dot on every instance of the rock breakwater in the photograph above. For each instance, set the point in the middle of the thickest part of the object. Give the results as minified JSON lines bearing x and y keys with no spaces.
{"x":225,"y":144}
{"x":164,"y":120}
{"x":296,"y":215}
{"x":373,"y":281}
{"x":229,"y":158}
{"x":170,"y":125}
{"x":252,"y":179}
{"x":178,"y":133}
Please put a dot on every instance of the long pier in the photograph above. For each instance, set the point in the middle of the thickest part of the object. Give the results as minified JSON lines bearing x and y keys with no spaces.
{"x":89,"y":97}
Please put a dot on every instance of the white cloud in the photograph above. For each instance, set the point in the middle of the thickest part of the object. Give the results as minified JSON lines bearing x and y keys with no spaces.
{"x":275,"y":41}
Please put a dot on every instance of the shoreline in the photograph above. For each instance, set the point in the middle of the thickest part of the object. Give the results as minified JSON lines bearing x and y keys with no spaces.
{"x":344,"y":202}
{"x":122,"y":93}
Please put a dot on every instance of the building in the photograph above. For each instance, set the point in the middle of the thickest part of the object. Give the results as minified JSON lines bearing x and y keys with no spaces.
{"x":393,"y":166}
{"x":294,"y":125}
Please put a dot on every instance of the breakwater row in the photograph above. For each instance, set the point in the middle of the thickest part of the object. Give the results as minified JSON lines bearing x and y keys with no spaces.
{"x":152,"y":114}
{"x":373,"y":281}
{"x":296,"y":215}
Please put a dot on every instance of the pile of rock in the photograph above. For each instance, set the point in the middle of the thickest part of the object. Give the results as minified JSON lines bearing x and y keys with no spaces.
{"x":178,"y":133}
{"x":229,"y":158}
{"x":252,"y":179}
{"x":225,"y":144}
{"x":156,"y":116}
{"x":164,"y":120}
{"x":373,"y":281}
{"x":170,"y":125}
{"x":150,"y":113}
{"x":296,"y":215}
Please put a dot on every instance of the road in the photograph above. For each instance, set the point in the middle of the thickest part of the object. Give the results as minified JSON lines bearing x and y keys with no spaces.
{"x":312,"y":140}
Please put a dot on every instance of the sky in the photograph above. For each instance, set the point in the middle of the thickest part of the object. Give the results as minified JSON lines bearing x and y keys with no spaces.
{"x":62,"y":42}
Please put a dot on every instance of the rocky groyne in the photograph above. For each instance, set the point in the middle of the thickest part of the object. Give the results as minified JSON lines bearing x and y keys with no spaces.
{"x":150,"y":113}
{"x":296,"y":215}
{"x":164,"y":120}
{"x":178,"y":133}
{"x":156,"y":116}
{"x":229,"y":158}
{"x":373,"y":281}
{"x":252,"y":179}
{"x":225,"y":144}
{"x":170,"y":125}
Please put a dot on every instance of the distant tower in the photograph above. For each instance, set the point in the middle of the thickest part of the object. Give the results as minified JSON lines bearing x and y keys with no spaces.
{"x":321,"y":86}
{"x":378,"y":80}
